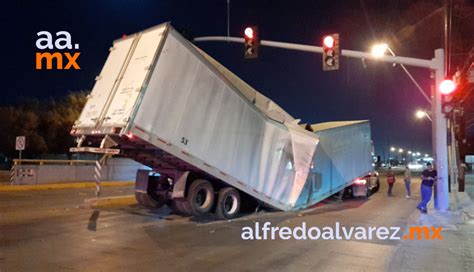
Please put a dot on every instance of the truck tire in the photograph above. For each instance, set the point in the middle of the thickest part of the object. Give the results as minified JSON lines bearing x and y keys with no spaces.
{"x":200,"y":197}
{"x":228,"y":203}
{"x":181,"y":206}
{"x":377,"y":187}
{"x":368,"y":193}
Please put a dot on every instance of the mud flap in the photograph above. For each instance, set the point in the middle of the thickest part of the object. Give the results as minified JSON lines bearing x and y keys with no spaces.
{"x":179,"y":187}
{"x":141,"y":182}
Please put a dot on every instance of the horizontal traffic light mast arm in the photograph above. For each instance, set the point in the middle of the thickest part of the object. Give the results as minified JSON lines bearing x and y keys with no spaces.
{"x":430,"y":64}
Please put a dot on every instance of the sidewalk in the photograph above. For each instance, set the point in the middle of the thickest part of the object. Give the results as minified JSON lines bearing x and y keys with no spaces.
{"x":469,"y":186}
{"x":455,"y":252}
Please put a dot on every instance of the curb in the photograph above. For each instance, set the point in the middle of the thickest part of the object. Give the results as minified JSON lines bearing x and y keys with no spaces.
{"x":110,"y":201}
{"x":465,"y":204}
{"x":461,"y":210}
{"x":54,"y":186}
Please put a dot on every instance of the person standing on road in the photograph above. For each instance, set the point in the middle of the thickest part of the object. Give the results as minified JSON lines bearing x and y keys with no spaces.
{"x":428,"y":179}
{"x":390,"y":181}
{"x":461,"y":177}
{"x":407,"y":179}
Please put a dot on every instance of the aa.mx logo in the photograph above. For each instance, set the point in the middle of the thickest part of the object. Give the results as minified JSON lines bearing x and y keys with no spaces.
{"x":49,"y":51}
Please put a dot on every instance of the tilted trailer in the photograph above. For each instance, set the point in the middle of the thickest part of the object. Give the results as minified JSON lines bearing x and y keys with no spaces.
{"x":212,"y":141}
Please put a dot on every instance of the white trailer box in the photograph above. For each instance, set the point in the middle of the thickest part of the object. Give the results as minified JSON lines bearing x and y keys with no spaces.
{"x":344,"y":153}
{"x":183,"y":111}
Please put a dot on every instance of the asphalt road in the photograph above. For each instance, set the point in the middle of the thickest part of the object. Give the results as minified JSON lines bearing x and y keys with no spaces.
{"x":53,"y":231}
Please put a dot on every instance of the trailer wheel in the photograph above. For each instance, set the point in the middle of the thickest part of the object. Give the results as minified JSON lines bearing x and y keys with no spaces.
{"x":201,"y":197}
{"x":228,"y":203}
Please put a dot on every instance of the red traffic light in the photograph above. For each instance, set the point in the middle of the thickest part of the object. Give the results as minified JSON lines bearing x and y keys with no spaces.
{"x":447,"y":86}
{"x":331,"y":52}
{"x":328,"y":41}
{"x":249,"y":32}
{"x":251,"y":42}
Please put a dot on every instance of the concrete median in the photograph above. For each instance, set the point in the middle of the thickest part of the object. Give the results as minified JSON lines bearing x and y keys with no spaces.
{"x":54,"y":186}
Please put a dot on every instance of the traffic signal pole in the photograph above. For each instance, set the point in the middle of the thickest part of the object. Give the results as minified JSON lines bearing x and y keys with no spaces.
{"x":439,"y":126}
{"x":440,"y":140}
{"x":318,"y":49}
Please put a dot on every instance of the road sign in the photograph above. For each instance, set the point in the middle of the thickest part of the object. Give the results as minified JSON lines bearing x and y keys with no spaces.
{"x":20,"y":143}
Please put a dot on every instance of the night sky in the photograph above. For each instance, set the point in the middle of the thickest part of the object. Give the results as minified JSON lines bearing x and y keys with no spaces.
{"x":295,"y":80}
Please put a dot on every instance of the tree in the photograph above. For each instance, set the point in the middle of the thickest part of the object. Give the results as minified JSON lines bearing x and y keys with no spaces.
{"x":59,"y":120}
{"x":45,"y":124}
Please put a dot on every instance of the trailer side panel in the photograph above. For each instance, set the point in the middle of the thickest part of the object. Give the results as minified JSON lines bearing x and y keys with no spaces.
{"x":343,"y":154}
{"x":189,"y":104}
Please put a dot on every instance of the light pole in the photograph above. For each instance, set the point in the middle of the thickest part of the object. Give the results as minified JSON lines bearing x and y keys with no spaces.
{"x":378,"y":51}
{"x":440,"y":140}
{"x":400,"y":151}
{"x":392,"y":150}
{"x":439,"y":123}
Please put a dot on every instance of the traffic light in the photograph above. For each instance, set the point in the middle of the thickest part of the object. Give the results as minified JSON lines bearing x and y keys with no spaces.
{"x":252,"y":42}
{"x":331,"y":52}
{"x":447,"y":88}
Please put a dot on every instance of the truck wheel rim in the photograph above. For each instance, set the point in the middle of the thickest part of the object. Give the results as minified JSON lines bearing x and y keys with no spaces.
{"x":230,"y":204}
{"x":202,"y":197}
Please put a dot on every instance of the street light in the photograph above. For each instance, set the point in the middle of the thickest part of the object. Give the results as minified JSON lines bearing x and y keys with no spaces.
{"x":379,"y":50}
{"x":400,"y":150}
{"x":392,"y":149}
{"x":409,"y":151}
{"x":420,"y":114}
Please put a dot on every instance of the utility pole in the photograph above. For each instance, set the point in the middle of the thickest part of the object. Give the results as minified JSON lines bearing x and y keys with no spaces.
{"x":439,"y":126}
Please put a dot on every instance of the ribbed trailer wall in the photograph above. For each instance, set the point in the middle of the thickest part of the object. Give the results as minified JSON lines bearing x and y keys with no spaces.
{"x":207,"y":121}
{"x":343,"y":154}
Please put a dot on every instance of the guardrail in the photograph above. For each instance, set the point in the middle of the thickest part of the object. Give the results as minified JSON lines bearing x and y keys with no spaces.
{"x":28,"y":171}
